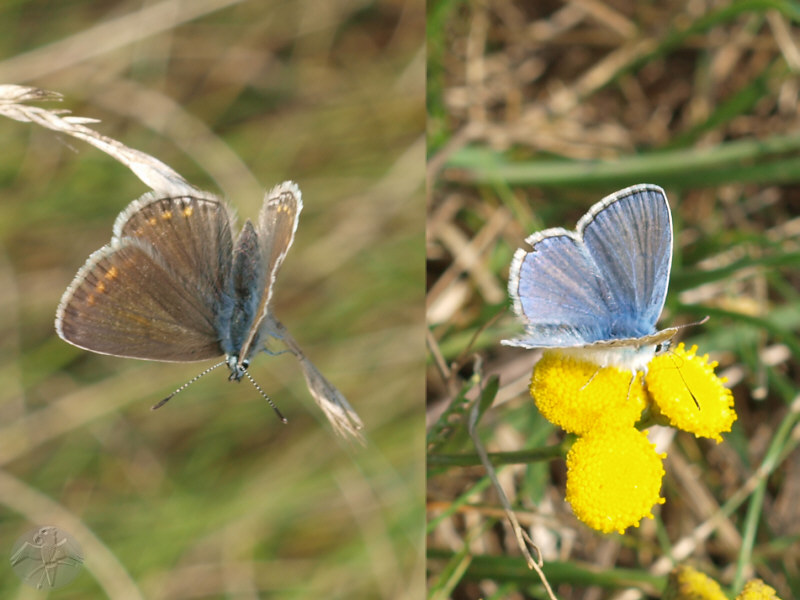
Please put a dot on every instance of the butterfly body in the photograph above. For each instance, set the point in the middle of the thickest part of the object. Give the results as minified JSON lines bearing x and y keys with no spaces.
{"x":625,"y":357}
{"x":172,"y":285}
{"x":598,"y":291}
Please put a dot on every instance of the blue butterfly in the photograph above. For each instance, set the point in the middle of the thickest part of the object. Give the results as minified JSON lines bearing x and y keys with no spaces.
{"x":599,"y":290}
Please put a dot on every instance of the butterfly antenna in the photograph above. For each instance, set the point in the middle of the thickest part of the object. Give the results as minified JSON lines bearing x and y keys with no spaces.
{"x":688,"y":389}
{"x":185,"y":385}
{"x":267,"y":398}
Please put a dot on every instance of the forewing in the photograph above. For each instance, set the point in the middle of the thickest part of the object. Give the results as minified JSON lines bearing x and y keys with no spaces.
{"x":277,"y":223}
{"x":127,"y":301}
{"x":191,"y":234}
{"x":629,"y":237}
{"x":557,"y":292}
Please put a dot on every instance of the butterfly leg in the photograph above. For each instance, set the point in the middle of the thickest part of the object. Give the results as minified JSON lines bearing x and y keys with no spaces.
{"x":630,"y":385}
{"x":585,"y":385}
{"x":274,"y":353}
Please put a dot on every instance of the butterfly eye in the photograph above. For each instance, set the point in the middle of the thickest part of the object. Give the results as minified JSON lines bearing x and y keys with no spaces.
{"x":662,"y":347}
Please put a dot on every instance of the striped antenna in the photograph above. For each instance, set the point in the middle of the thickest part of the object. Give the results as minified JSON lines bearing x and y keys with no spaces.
{"x":675,"y":361}
{"x":185,"y":385}
{"x":267,"y":398}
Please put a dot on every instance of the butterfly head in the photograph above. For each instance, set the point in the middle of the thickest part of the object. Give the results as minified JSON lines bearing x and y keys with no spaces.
{"x":237,"y":367}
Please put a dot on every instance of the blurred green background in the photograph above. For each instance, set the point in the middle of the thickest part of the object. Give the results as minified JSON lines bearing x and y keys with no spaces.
{"x":212,"y":497}
{"x":536,"y":112}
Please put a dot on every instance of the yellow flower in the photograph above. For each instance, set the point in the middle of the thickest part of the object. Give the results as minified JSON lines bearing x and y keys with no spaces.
{"x":614,"y":478}
{"x":757,"y":590}
{"x":686,"y":583}
{"x":580,"y":396}
{"x":686,"y":392}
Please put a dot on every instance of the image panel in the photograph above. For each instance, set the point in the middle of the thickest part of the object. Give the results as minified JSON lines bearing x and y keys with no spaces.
{"x":612,"y":278}
{"x":307,"y":295}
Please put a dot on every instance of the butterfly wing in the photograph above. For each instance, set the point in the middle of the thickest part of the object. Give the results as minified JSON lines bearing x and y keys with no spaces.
{"x":127,"y":301}
{"x":161,"y":289}
{"x":629,"y":237}
{"x":277,"y":223}
{"x":606,"y":281}
{"x":191,"y":233}
{"x":557,"y":292}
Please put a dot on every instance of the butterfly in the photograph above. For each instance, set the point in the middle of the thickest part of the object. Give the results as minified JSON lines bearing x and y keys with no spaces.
{"x":599,"y":290}
{"x":173,"y":285}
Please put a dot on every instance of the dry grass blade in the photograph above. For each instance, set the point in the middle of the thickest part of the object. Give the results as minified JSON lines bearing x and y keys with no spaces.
{"x":154,"y":173}
{"x":523,"y":539}
{"x":340,"y":414}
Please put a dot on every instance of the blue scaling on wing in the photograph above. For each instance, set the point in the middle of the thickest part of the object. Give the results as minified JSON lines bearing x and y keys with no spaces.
{"x":630,"y":240}
{"x":557,"y":292}
{"x":605,"y":281}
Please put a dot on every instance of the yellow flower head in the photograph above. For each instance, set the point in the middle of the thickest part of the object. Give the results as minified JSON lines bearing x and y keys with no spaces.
{"x":686,"y":392}
{"x":757,"y":590}
{"x":580,"y":396}
{"x":686,"y":583}
{"x":614,"y":478}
